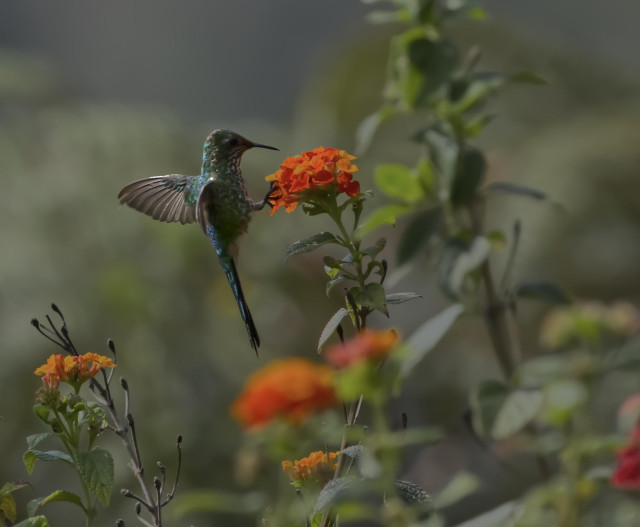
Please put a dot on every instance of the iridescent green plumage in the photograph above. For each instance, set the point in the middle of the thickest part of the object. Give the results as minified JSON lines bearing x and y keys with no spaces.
{"x":217,"y":199}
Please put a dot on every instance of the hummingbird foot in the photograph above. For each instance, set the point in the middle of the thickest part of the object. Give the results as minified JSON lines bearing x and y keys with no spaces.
{"x":272,"y":194}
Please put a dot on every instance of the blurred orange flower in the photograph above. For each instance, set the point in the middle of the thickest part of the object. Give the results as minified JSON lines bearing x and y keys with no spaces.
{"x":317,"y":466}
{"x":288,"y":388}
{"x":72,"y":369}
{"x":366,"y":345}
{"x":320,"y":168}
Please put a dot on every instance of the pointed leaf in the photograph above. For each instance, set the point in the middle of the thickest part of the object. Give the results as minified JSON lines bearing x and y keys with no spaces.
{"x":544,"y":291}
{"x":58,"y":495}
{"x":427,"y":336}
{"x":331,"y":326}
{"x":443,"y":150}
{"x":386,"y":215}
{"x":400,"y":298}
{"x":485,"y":401}
{"x":398,"y":181}
{"x":8,"y":509}
{"x":371,"y":296}
{"x":96,"y":470}
{"x":470,"y":171}
{"x":333,"y":283}
{"x":11,"y":486}
{"x":310,"y":244}
{"x":330,"y":494}
{"x":515,"y":188}
{"x":462,"y":485}
{"x":519,"y":409}
{"x":36,"y":521}
{"x":30,"y":456}
{"x":418,"y":234}
{"x":33,"y":440}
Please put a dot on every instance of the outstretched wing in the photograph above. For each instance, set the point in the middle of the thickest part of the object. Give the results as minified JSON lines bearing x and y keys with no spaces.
{"x":164,"y":198}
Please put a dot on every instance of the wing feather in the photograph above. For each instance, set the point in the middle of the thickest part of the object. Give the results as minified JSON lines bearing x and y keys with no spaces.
{"x":161,"y":197}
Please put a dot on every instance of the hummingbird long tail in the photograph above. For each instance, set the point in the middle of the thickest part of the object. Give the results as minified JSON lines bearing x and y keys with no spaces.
{"x":230,"y":270}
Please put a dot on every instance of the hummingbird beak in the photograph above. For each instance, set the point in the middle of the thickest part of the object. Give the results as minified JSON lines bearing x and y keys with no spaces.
{"x":258,"y":145}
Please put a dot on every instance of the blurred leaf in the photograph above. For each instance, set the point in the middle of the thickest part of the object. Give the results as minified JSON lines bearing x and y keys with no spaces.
{"x":473,"y":127}
{"x":462,"y":485}
{"x":96,"y":470}
{"x":334,"y":282}
{"x":425,"y":175}
{"x":418,"y":234}
{"x":398,"y":181}
{"x":627,"y":355}
{"x":486,"y":400}
{"x":470,"y":172}
{"x":468,"y":92}
{"x":386,"y":215}
{"x":400,"y":298}
{"x":330,"y":494}
{"x":36,"y":521}
{"x":443,"y":150}
{"x":310,"y":243}
{"x":218,"y":501}
{"x":42,"y":412}
{"x":497,"y":240}
{"x":435,"y":60}
{"x":8,"y":509}
{"x":375,"y":249}
{"x":415,"y":495}
{"x":562,"y":398}
{"x":368,"y":127}
{"x":427,"y":336}
{"x":519,"y":409}
{"x":385,"y":17}
{"x":515,"y":188}
{"x":544,"y":291}
{"x":11,"y":486}
{"x":30,"y":456}
{"x":527,"y":77}
{"x":331,"y":326}
{"x":457,"y":259}
{"x":371,"y":296}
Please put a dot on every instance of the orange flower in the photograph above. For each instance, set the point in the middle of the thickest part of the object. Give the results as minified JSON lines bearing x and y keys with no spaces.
{"x":72,"y":369}
{"x":321,"y":168}
{"x":317,"y":466}
{"x":366,"y":345}
{"x":289,"y":388}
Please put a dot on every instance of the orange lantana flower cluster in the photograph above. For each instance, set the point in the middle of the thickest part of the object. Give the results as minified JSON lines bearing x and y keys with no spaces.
{"x":72,"y":369}
{"x":288,"y":388}
{"x":320,"y":168}
{"x":366,"y":345}
{"x":317,"y":466}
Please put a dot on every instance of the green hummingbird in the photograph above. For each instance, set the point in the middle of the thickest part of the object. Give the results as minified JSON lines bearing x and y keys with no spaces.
{"x":217,"y":199}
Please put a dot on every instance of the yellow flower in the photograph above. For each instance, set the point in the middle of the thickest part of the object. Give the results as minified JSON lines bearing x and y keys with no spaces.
{"x":72,"y":369}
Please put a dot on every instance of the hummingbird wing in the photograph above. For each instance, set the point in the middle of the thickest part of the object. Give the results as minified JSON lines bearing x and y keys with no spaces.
{"x":165,"y":198}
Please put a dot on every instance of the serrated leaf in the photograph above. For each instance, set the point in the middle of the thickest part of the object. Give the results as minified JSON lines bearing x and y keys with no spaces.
{"x":398,"y":181}
{"x":331,"y":326}
{"x":309,"y":244}
{"x":462,"y":485}
{"x":96,"y":470}
{"x":35,"y":521}
{"x":518,"y":409}
{"x":330,"y":494}
{"x":386,"y":215}
{"x":371,"y":296}
{"x":418,"y":234}
{"x":470,"y":171}
{"x":544,"y":291}
{"x":31,"y":456}
{"x":427,"y":336}
{"x":400,"y":298}
{"x":34,"y":439}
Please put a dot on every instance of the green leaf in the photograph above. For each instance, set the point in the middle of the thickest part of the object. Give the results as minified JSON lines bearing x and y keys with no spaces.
{"x":562,"y":398}
{"x":36,"y":521}
{"x":96,"y":470}
{"x":470,"y":172}
{"x":473,"y":127}
{"x":58,"y":495}
{"x":544,"y":291}
{"x":42,"y":411}
{"x":518,"y":409}
{"x":467,"y":92}
{"x":462,"y":485}
{"x":374,"y":250}
{"x":11,"y":486}
{"x":371,"y":296}
{"x":435,"y":60}
{"x":425,"y":175}
{"x":33,"y":440}
{"x":527,"y":77}
{"x":386,"y":215}
{"x":398,"y":181}
{"x":368,"y":127}
{"x":331,"y":493}
{"x":427,"y":336}
{"x":457,"y":259}
{"x":415,"y":496}
{"x":497,"y":240}
{"x":485,"y":401}
{"x":331,"y":326}
{"x":8,"y":509}
{"x":418,"y":234}
{"x":30,"y":456}
{"x":400,"y":298}
{"x":334,"y":282}
{"x":310,"y":244}
{"x":443,"y":150}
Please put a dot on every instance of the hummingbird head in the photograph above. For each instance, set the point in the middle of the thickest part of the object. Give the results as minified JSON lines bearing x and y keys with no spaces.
{"x":224,"y":146}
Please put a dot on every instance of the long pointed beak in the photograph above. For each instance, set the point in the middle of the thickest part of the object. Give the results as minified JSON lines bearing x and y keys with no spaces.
{"x":258,"y":145}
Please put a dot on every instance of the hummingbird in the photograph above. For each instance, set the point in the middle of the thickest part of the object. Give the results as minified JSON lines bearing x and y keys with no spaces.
{"x":217,"y":199}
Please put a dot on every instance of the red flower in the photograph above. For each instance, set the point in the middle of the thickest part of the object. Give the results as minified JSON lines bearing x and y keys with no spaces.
{"x":320,"y":168}
{"x":72,"y":369}
{"x":288,"y":388}
{"x":366,"y":345}
{"x":627,"y":474}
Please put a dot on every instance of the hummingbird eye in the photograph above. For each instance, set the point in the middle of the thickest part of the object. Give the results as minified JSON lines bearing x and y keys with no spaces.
{"x":233,"y":141}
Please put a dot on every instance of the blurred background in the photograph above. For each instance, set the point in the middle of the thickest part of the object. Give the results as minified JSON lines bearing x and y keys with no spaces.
{"x":95,"y":96}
